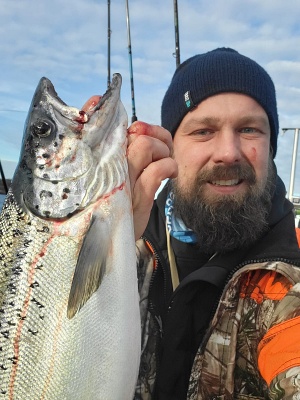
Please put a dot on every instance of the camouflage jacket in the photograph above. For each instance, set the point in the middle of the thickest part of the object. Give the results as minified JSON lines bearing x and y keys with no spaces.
{"x":252,"y":347}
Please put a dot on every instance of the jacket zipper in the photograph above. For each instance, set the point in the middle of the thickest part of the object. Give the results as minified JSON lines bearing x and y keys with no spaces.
{"x":151,"y":306}
{"x":159,"y":260}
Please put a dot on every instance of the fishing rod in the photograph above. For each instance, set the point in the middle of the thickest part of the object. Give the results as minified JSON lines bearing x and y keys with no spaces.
{"x":134,"y":117}
{"x":3,"y":178}
{"x":176,"y":25}
{"x":294,"y":161}
{"x":108,"y":43}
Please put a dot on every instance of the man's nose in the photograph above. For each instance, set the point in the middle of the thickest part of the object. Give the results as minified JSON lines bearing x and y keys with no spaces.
{"x":227,"y":147}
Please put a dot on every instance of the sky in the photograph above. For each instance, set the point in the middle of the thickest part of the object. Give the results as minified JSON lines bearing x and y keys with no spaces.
{"x":67,"y":41}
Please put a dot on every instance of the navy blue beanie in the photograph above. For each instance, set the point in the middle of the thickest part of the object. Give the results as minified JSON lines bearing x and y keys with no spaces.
{"x":218,"y":71}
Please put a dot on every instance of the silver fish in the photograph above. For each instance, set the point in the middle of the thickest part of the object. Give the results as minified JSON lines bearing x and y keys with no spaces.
{"x":69,"y":315}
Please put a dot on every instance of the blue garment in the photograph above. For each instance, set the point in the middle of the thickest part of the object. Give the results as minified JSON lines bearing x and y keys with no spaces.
{"x":175,"y":225}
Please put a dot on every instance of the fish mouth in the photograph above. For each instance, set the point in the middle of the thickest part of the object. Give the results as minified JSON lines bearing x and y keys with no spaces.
{"x":83,"y":115}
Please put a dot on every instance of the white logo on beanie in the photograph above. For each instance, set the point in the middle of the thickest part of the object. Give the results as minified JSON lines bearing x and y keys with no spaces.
{"x":188,"y":100}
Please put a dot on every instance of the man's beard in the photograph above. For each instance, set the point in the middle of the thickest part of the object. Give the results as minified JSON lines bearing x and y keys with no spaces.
{"x":226,"y":222}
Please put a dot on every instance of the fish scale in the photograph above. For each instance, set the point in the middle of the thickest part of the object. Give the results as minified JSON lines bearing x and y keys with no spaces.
{"x":69,"y":315}
{"x":36,"y":310}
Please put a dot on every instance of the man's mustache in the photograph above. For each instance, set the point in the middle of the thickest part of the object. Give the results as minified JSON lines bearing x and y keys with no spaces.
{"x":240,"y":172}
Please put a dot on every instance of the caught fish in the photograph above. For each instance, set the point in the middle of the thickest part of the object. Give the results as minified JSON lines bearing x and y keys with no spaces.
{"x":69,"y":315}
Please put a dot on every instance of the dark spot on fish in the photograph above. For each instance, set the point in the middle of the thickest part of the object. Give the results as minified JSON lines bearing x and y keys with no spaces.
{"x":20,"y":213}
{"x":37,"y":303}
{"x":54,"y":182}
{"x":33,"y":332}
{"x":37,"y":207}
{"x":66,"y":190}
{"x":47,"y":214}
{"x":64,"y":196}
{"x":17,"y":232}
{"x":12,"y":303}
{"x":46,"y":155}
{"x":3,"y":367}
{"x":55,"y":144}
{"x":27,"y":242}
{"x":42,"y":317}
{"x":11,"y":323}
{"x":5,"y":334}
{"x":16,"y":270}
{"x":61,"y":137}
{"x":20,"y":255}
{"x":41,"y":166}
{"x":44,"y":194}
{"x":46,"y":176}
{"x":14,"y":360}
{"x":12,"y":288}
{"x":57,"y":166}
{"x":3,"y":391}
{"x":34,"y":285}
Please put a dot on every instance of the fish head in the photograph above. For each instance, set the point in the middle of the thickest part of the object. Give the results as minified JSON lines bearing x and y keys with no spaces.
{"x":66,"y":151}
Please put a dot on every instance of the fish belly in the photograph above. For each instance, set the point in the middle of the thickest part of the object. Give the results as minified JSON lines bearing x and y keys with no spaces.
{"x":43,"y":354}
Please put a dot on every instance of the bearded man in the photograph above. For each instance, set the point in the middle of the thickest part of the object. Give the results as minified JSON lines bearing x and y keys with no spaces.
{"x":218,"y":263}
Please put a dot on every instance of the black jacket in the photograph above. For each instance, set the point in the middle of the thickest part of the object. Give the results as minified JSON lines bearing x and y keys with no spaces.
{"x":186,"y":313}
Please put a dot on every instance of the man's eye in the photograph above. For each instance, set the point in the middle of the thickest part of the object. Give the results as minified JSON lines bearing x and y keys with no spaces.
{"x":202,"y":132}
{"x":248,"y":130}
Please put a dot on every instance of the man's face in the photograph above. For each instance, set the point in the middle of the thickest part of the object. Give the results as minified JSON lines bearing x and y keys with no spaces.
{"x":222,"y":148}
{"x":225,"y":130}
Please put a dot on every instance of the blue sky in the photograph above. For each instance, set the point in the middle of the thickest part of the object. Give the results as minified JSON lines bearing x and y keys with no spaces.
{"x":66,"y":41}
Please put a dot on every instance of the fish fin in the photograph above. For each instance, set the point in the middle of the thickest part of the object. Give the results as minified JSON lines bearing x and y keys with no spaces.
{"x":91,"y":266}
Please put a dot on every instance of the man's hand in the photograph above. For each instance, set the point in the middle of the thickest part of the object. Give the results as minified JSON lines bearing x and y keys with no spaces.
{"x":149,"y":161}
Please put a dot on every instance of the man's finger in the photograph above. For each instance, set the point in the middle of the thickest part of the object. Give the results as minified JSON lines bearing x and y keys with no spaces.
{"x":141,"y":128}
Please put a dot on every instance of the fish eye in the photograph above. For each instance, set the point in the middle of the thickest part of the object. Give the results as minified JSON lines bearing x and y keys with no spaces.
{"x":41,"y":128}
